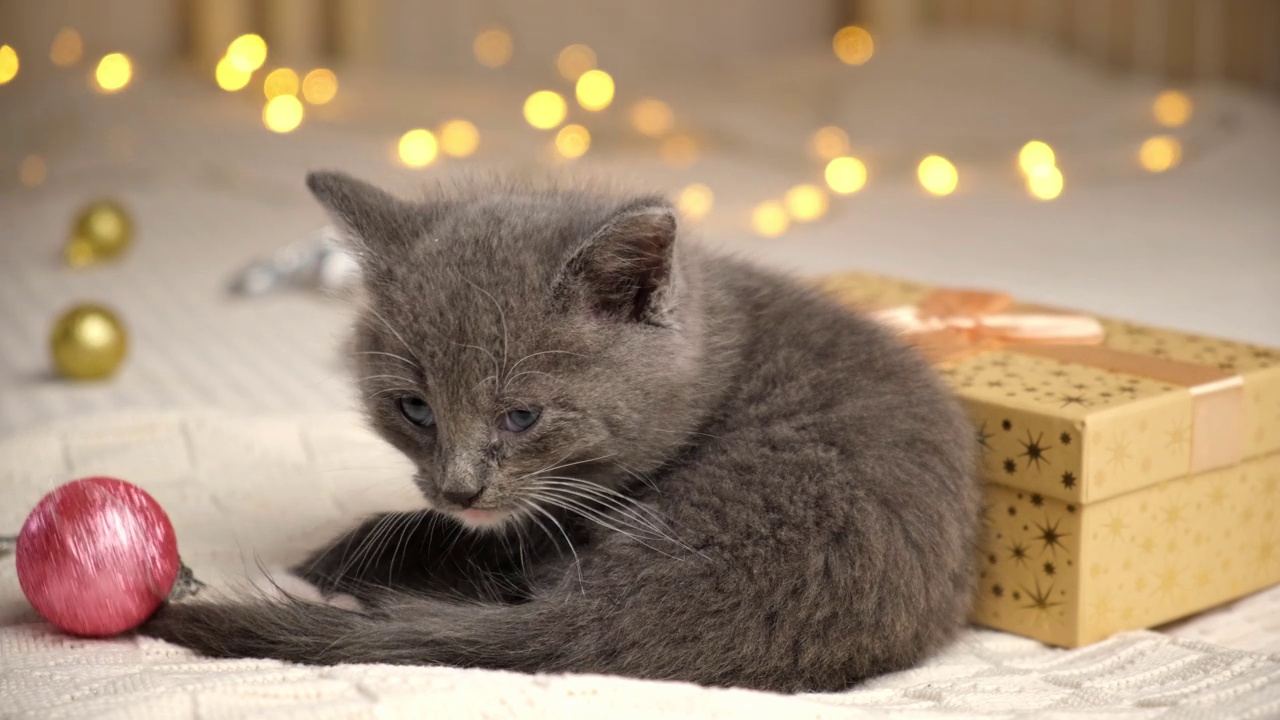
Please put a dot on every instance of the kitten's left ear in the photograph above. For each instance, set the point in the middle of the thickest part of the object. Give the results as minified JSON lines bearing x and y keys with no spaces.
{"x":373,"y":218}
{"x":626,"y":270}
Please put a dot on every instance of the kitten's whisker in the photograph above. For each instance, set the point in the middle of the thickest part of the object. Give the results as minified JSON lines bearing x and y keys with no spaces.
{"x":366,"y":544}
{"x":512,"y":378}
{"x":639,"y":476}
{"x":648,"y":524}
{"x":560,"y":467}
{"x":386,"y":391}
{"x":401,"y":358}
{"x":502,"y":317}
{"x":385,"y":377}
{"x":587,"y":490}
{"x":684,"y":432}
{"x":397,"y":335}
{"x":577,"y":561}
{"x":543,"y":352}
{"x":595,"y":516}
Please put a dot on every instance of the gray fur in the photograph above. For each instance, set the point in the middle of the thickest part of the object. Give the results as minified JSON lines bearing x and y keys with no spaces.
{"x":736,"y":481}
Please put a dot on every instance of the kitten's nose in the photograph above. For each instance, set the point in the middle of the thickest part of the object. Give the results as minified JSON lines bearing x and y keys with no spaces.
{"x":462,"y":498}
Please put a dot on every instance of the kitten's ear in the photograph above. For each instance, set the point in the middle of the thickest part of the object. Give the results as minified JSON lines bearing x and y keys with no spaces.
{"x":626,"y":269}
{"x":372,"y":218}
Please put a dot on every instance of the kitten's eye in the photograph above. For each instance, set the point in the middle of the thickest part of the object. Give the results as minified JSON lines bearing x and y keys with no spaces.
{"x":416,"y":410}
{"x":519,"y":420}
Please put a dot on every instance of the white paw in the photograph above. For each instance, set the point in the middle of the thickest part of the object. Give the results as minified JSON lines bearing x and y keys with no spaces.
{"x":279,"y":583}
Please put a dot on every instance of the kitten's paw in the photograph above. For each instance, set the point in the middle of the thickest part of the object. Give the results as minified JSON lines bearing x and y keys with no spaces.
{"x":283,"y":583}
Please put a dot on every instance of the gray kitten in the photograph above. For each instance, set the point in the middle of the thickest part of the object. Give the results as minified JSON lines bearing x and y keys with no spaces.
{"x":641,"y":459}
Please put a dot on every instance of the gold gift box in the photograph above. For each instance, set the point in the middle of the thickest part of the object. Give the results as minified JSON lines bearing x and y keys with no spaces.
{"x":1132,"y":480}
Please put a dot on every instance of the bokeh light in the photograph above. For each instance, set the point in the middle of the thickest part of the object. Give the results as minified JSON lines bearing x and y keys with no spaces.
{"x":769,"y":219}
{"x":545,"y":109}
{"x":805,"y":203}
{"x":418,"y":148}
{"x":1036,"y":157}
{"x":493,"y":47}
{"x":8,"y":64}
{"x":114,"y":72}
{"x":319,"y":86}
{"x":652,"y":117}
{"x":695,"y":201}
{"x":247,"y":52}
{"x":33,"y":171}
{"x":1045,"y":183}
{"x":828,"y":142}
{"x":1160,"y":153}
{"x":1172,"y":108}
{"x":853,"y":45}
{"x":575,"y":60}
{"x":678,"y":151}
{"x":281,"y":81}
{"x":459,"y":138}
{"x":594,"y":90}
{"x":67,"y":47}
{"x":846,"y":175}
{"x":282,"y":114}
{"x":573,"y":141}
{"x":229,"y":77}
{"x":937,"y":175}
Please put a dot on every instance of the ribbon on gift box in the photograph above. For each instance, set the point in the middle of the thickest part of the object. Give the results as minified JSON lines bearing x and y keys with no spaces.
{"x":950,"y":324}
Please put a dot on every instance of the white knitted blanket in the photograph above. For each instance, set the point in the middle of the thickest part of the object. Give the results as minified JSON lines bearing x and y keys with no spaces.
{"x":250,"y":490}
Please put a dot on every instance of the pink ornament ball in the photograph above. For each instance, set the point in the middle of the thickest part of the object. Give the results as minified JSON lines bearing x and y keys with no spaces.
{"x":97,"y":556}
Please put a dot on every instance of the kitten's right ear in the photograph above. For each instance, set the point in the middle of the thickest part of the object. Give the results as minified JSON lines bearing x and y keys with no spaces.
{"x":370,"y":216}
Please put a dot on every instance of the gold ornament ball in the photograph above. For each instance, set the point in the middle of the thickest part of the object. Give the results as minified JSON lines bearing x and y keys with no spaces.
{"x":104,"y":227}
{"x":88,"y":343}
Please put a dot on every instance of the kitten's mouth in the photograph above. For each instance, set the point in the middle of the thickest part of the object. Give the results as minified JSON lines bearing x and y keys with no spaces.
{"x":481,"y":518}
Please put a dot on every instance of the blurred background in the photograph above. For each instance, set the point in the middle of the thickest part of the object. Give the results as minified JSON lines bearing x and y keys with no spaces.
{"x":1118,"y":156}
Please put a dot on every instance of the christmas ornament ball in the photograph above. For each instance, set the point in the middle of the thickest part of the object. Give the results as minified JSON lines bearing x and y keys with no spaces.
{"x":97,"y":556}
{"x":88,"y":343}
{"x":104,"y":227}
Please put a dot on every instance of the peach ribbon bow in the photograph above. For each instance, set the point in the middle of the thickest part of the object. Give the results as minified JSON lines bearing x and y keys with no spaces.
{"x":952,"y":323}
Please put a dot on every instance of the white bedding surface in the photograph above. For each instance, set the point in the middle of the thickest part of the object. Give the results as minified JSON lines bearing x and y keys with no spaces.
{"x":249,"y":490}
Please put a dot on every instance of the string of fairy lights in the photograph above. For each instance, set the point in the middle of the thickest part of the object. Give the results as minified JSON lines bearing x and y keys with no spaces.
{"x":288,"y":93}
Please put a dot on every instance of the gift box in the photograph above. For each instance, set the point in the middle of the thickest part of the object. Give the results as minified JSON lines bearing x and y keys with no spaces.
{"x":1133,"y":473}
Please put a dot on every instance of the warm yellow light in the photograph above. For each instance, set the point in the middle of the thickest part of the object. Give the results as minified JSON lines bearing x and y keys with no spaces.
{"x":114,"y":72}
{"x":575,"y":60}
{"x":1172,"y":108}
{"x":846,"y":175}
{"x":545,"y":109}
{"x":1160,"y":153}
{"x":594,"y":90}
{"x":853,"y":45}
{"x":229,"y":77}
{"x":1036,"y":157}
{"x":806,"y":203}
{"x":769,"y":219}
{"x":678,"y":151}
{"x":282,"y":114}
{"x":652,"y":117}
{"x":459,"y":138}
{"x":33,"y":171}
{"x":573,"y":141}
{"x":828,"y":142}
{"x":937,"y":175}
{"x":695,"y":201}
{"x":8,"y":64}
{"x":281,"y":81}
{"x":1045,"y":183}
{"x":319,"y":86}
{"x":493,"y":47}
{"x":67,"y":47}
{"x":247,"y":52}
{"x":418,"y":148}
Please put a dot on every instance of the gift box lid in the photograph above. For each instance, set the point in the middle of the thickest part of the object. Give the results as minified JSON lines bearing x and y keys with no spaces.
{"x":1083,"y":408}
